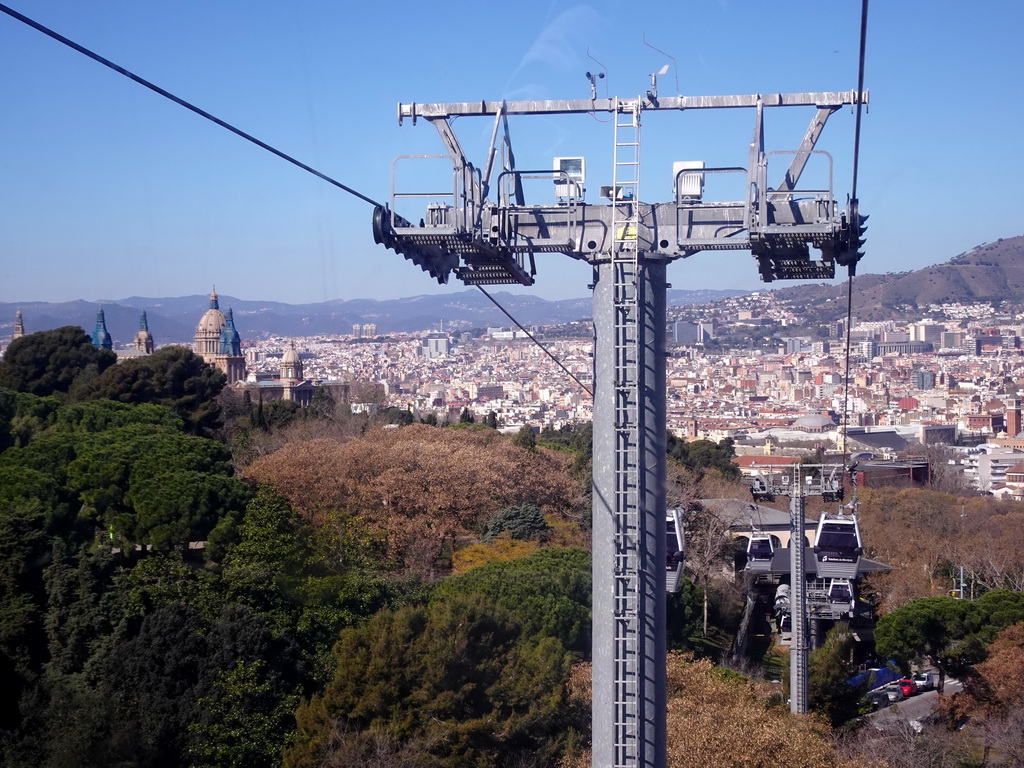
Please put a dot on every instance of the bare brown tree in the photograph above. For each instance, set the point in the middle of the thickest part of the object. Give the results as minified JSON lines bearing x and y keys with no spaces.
{"x":1004,"y":737}
{"x":720,"y":720}
{"x":944,"y":476}
{"x":374,"y":748}
{"x":992,"y":700}
{"x":902,"y":746}
{"x":708,"y":549}
{"x":420,"y":485}
{"x":926,"y":536}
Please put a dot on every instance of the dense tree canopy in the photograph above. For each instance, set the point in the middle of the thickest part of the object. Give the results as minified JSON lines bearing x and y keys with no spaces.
{"x":702,"y":455}
{"x":830,"y":668}
{"x":323,"y":578}
{"x":8,"y":407}
{"x":951,"y":633}
{"x":520,"y":521}
{"x":549,"y":591}
{"x":74,"y":460}
{"x":154,"y":661}
{"x":152,"y":484}
{"x":476,"y":677}
{"x":113,"y":656}
{"x":99,"y":415}
{"x":49,"y":362}
{"x":927,"y":628}
{"x":172,"y":376}
{"x":306,"y":580}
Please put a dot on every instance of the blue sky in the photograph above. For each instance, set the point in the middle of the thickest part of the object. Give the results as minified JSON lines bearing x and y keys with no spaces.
{"x":108,"y":191}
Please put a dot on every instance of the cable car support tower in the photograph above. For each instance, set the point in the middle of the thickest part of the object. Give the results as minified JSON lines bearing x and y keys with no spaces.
{"x":484,"y":232}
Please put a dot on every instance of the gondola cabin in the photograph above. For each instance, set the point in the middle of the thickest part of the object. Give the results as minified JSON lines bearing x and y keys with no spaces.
{"x":760,"y":491}
{"x":840,"y":595}
{"x":760,"y":552}
{"x":675,"y":551}
{"x":837,"y":546}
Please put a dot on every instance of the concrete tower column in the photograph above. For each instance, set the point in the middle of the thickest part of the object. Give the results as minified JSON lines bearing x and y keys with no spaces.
{"x":629,"y":677}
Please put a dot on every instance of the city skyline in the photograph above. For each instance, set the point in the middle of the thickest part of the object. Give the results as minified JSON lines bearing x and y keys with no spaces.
{"x":988,"y":274}
{"x":111,"y":190}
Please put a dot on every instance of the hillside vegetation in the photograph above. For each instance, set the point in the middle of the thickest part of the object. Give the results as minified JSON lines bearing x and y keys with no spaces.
{"x":187,"y":579}
{"x":992,"y":272}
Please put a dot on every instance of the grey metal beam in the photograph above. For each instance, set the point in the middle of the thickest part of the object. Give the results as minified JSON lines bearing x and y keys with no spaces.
{"x":451,"y":141}
{"x":492,"y":153}
{"x":803,"y":152}
{"x":664,"y":231}
{"x":439,"y":111}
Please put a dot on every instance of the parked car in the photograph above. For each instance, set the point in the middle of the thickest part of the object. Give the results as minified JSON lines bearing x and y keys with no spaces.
{"x":924,"y":681}
{"x":878,"y":698}
{"x":894,"y":691}
{"x":908,"y":686}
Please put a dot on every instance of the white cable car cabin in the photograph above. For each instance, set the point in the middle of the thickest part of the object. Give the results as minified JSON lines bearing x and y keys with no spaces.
{"x":840,"y":595}
{"x":675,"y":551}
{"x":837,"y":546}
{"x":760,"y":552}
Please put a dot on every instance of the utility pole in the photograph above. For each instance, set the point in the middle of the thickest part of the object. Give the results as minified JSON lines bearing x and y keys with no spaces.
{"x":798,"y":589}
{"x":960,"y":594}
{"x":837,"y":557}
{"x":483,"y":231}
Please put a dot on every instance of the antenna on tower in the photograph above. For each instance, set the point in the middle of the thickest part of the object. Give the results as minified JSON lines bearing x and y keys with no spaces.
{"x":594,"y":78}
{"x":652,"y":94}
{"x":663,"y":70}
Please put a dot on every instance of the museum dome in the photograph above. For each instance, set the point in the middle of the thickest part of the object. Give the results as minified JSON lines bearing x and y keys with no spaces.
{"x":212,"y":320}
{"x":209,"y":329}
{"x":291,"y":355}
{"x":291,"y":363}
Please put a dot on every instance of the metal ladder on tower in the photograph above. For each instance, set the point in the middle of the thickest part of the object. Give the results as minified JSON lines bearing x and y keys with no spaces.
{"x":624,"y":257}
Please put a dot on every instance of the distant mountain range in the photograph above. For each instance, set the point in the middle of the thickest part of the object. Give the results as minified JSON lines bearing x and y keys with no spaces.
{"x":175,"y":319}
{"x":990,"y":272}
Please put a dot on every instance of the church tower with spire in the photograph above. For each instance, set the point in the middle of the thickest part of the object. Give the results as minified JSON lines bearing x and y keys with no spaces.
{"x":19,"y":326}
{"x":100,"y":336}
{"x":229,"y":357}
{"x":143,"y":343}
{"x":230,"y":341}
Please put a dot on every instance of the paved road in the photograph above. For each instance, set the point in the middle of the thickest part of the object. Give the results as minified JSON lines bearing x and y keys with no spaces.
{"x":913,"y":709}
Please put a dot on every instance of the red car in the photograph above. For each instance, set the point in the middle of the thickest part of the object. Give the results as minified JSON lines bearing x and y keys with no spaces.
{"x":909,"y":686}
